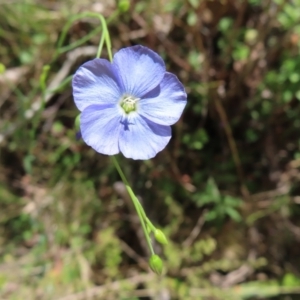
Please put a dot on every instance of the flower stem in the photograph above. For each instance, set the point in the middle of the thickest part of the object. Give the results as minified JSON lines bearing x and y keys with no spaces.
{"x":103,"y":28}
{"x":136,"y":203}
{"x":148,"y":222}
{"x":138,"y":207}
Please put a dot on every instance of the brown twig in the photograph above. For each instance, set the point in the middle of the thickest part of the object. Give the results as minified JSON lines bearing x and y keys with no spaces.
{"x":196,"y":231}
{"x":131,"y":253}
{"x":232,"y":145}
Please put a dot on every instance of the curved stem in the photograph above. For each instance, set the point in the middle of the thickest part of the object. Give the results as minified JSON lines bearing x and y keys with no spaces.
{"x":103,"y":27}
{"x":100,"y":45}
{"x":136,"y":203}
{"x":138,"y":207}
{"x":149,"y":223}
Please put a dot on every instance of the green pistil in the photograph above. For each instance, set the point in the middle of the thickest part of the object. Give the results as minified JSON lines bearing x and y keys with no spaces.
{"x":128,"y":103}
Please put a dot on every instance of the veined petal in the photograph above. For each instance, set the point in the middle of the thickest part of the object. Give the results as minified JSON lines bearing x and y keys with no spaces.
{"x":164,"y":104}
{"x":143,"y":139}
{"x":100,"y":127}
{"x":140,"y":69}
{"x":96,"y":82}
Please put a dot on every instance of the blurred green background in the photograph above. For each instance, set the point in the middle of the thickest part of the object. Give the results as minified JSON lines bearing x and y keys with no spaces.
{"x":225,"y":190}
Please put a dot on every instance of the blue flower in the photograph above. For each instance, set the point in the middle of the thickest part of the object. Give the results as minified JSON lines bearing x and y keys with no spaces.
{"x":128,"y":105}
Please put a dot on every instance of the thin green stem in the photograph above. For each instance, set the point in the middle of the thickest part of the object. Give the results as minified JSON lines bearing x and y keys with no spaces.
{"x":149,"y":223}
{"x":101,"y":43}
{"x":108,"y":44}
{"x":136,"y":203}
{"x":68,"y":25}
{"x":76,"y":43}
{"x":65,"y":82}
{"x":138,"y":207}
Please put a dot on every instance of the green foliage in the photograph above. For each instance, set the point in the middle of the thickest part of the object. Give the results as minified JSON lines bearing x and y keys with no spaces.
{"x":177,"y":256}
{"x":196,"y":140}
{"x":221,"y":206}
{"x":289,"y":15}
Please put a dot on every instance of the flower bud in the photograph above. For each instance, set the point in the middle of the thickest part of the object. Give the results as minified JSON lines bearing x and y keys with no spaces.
{"x":160,"y":237}
{"x":123,"y":5}
{"x":156,"y":264}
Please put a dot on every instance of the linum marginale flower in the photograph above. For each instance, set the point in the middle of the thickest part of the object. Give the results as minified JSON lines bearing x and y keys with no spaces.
{"x":128,"y":105}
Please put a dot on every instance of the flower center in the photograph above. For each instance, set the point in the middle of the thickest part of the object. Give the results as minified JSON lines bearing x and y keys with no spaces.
{"x":128,"y":103}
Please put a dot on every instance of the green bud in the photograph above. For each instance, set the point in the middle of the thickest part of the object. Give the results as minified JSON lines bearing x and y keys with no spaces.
{"x":123,"y":5}
{"x":156,"y":264}
{"x":160,"y":237}
{"x":77,"y":122}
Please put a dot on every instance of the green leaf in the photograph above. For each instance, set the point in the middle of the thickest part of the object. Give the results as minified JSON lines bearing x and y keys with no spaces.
{"x":294,"y":77}
{"x":212,"y":190}
{"x":233,"y":214}
{"x":231,"y":201}
{"x":211,"y":215}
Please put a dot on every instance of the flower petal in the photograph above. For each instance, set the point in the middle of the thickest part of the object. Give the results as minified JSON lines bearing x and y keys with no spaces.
{"x":164,"y":104}
{"x":140,"y":69}
{"x":100,"y":127}
{"x":143,"y":139}
{"x":96,"y":82}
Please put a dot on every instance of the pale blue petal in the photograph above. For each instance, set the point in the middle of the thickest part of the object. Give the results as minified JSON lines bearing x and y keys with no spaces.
{"x":96,"y":82}
{"x":164,"y":104}
{"x":141,"y":138}
{"x":100,"y":127}
{"x":140,"y":69}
